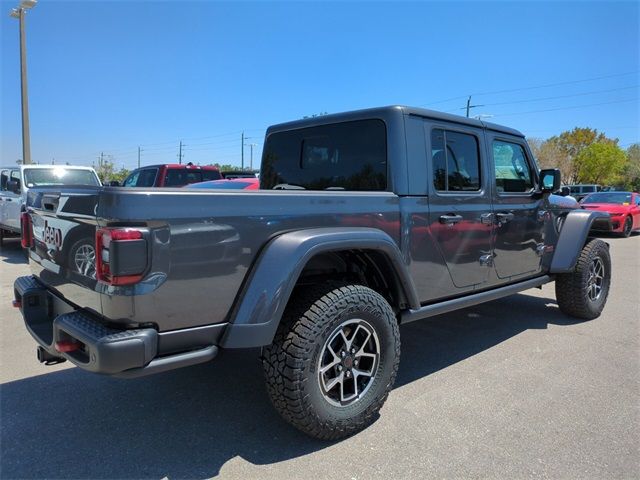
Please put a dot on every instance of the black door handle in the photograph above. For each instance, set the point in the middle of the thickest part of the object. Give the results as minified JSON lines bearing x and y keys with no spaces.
{"x":450,"y":219}
{"x":504,"y":217}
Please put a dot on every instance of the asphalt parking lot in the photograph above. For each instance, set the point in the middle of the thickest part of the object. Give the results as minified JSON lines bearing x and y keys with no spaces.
{"x":508,"y":389}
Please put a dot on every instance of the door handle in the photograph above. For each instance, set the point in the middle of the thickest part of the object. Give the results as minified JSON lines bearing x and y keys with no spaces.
{"x":450,"y":219}
{"x":504,"y":217}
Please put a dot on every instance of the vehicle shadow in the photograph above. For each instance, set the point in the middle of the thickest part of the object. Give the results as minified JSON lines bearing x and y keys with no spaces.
{"x":11,"y":251}
{"x":188,"y":423}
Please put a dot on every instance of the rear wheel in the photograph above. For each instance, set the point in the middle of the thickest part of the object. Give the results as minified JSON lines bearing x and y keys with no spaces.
{"x":628,"y":227}
{"x":583,"y":292}
{"x":333,"y":360}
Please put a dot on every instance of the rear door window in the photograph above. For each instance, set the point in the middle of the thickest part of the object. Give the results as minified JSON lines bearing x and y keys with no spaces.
{"x":456,"y":161}
{"x":340,"y":156}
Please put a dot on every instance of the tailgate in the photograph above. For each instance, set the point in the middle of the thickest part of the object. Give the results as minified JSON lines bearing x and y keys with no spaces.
{"x":62,"y":251}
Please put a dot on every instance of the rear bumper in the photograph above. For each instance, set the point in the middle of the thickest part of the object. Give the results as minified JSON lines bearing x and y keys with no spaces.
{"x":84,"y":339}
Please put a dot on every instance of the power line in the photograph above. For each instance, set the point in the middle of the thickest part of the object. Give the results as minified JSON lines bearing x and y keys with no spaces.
{"x":534,"y":87}
{"x":566,"y":108}
{"x":561,"y":96}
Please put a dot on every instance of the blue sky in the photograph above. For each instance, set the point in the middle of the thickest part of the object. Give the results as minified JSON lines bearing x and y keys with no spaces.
{"x":111,"y":75}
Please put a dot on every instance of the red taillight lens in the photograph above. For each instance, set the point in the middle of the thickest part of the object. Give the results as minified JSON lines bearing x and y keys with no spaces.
{"x":108,"y":240}
{"x":26,"y":230}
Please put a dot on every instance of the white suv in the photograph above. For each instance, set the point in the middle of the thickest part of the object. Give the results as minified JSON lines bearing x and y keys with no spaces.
{"x":16,"y":181}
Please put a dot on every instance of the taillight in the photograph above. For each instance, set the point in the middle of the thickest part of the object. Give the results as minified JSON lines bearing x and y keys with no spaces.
{"x":121,"y":255}
{"x":26,"y":230}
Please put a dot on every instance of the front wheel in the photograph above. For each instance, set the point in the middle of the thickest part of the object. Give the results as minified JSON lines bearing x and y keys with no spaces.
{"x":583,"y":292}
{"x":628,"y":227}
{"x":333,"y":360}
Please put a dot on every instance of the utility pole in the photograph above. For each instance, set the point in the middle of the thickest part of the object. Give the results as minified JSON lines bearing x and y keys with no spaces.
{"x":100,"y":163}
{"x":242,"y":139}
{"x":26,"y":141}
{"x":251,"y":162}
{"x":469,"y":106}
{"x":139,"y":150}
{"x":180,"y":153}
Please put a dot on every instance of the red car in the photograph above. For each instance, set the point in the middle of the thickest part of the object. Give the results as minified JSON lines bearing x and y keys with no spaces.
{"x":171,"y":175}
{"x":231,"y":184}
{"x":624,"y":208}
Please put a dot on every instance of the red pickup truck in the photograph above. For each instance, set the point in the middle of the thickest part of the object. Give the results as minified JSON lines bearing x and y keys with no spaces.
{"x":171,"y":175}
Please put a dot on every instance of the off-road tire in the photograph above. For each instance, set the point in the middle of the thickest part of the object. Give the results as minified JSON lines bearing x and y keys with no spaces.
{"x":572,"y":289}
{"x":627,"y":227}
{"x":290,"y":363}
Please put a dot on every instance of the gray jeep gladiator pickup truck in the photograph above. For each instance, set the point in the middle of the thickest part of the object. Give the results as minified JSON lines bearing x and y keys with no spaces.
{"x":364,"y":221}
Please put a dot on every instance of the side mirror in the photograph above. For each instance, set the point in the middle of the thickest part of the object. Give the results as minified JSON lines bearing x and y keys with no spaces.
{"x":14,"y":186}
{"x":565,"y":191}
{"x":549,"y":180}
{"x":114,"y":183}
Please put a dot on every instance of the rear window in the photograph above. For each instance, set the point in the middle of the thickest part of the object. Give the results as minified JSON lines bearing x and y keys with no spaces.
{"x":37,"y":177}
{"x":178,"y":177}
{"x":211,"y":175}
{"x":341,"y":156}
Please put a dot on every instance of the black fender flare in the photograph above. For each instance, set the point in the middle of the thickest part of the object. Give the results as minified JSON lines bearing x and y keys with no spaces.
{"x":261,"y":303}
{"x":573,"y":236}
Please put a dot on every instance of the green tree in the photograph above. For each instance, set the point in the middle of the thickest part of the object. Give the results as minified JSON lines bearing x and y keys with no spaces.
{"x":601,"y":163}
{"x":106,"y":171}
{"x":569,"y":145}
{"x":632,"y":169}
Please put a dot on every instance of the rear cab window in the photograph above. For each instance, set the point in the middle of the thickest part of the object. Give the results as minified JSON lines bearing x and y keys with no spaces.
{"x":209,"y":174}
{"x":179,"y":177}
{"x":341,"y":156}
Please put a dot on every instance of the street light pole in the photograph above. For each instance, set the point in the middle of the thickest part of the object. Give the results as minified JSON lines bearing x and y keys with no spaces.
{"x":19,"y":13}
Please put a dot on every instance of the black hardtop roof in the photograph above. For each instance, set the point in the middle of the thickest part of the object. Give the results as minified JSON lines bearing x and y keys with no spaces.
{"x":385,"y":112}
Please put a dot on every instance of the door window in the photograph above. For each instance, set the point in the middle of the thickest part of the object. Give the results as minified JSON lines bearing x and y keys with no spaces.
{"x":513,"y":173}
{"x":456,"y":162}
{"x":147,"y":177}
{"x":131,"y":180}
{"x":4,"y":178}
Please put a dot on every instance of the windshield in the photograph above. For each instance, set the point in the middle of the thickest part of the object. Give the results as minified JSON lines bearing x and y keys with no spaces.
{"x":221,"y":184}
{"x":40,"y":177}
{"x":619,"y":198}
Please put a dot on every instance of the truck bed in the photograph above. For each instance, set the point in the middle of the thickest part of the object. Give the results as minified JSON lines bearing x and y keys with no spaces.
{"x":203,"y":243}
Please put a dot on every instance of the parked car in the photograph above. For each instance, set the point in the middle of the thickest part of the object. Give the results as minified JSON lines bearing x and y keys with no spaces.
{"x":364,"y":221}
{"x":171,"y":175}
{"x":231,"y":174}
{"x":231,"y":184}
{"x":15,"y":182}
{"x":580,"y":191}
{"x":623,"y":207}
